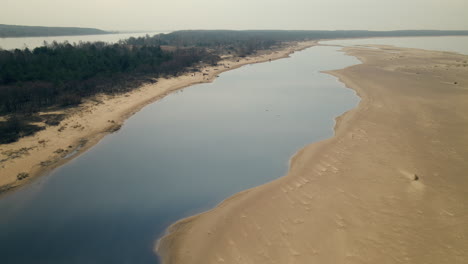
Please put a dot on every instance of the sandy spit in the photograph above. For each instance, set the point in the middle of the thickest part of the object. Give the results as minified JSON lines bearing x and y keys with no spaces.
{"x":389,"y":187}
{"x":99,"y":116}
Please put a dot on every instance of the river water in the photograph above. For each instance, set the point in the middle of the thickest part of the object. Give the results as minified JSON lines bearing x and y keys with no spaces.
{"x":179,"y":156}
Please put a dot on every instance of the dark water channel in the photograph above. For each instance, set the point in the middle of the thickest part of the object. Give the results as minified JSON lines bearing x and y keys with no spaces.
{"x":176,"y":157}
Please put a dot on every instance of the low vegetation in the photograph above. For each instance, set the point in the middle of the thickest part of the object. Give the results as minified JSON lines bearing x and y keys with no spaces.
{"x":22,"y":176}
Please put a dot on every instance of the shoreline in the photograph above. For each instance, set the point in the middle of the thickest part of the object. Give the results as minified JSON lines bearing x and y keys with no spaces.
{"x":292,"y":219}
{"x":161,"y":246}
{"x":102,"y":115}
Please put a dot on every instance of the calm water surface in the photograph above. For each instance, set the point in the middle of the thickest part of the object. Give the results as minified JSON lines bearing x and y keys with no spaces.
{"x":33,"y":42}
{"x":177,"y":157}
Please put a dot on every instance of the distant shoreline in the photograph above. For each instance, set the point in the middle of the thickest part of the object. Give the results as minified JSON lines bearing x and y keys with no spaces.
{"x":16,"y":31}
{"x":86,"y":34}
{"x":50,"y":36}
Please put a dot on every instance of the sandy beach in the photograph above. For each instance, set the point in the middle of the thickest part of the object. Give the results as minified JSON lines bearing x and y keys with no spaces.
{"x":101,"y":115}
{"x":389,"y":187}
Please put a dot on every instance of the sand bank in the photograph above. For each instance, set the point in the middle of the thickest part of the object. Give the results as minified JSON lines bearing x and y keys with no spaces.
{"x":389,"y":187}
{"x":99,"y":116}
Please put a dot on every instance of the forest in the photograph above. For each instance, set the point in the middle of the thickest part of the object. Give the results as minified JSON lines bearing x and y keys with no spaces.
{"x":59,"y":75}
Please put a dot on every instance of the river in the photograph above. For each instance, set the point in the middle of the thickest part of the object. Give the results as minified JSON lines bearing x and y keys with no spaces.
{"x":177,"y":157}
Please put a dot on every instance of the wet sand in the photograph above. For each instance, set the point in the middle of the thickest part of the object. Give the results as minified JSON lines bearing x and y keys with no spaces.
{"x":389,"y":187}
{"x":87,"y":124}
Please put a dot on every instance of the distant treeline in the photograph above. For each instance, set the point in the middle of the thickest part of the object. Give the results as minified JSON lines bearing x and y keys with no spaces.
{"x":241,"y":43}
{"x":248,"y":41}
{"x":223,"y":38}
{"x":33,"y":31}
{"x":61,"y":74}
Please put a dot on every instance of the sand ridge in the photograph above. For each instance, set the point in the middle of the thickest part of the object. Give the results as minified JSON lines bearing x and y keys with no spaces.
{"x":389,"y":187}
{"x":87,"y":124}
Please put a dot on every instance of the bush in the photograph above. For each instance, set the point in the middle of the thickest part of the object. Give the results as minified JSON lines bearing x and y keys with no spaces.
{"x":22,"y":175}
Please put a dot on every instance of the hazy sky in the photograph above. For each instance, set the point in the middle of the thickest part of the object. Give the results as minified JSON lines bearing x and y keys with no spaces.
{"x":238,"y":14}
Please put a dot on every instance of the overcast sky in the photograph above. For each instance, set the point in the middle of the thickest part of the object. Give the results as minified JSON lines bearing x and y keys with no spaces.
{"x":238,"y":14}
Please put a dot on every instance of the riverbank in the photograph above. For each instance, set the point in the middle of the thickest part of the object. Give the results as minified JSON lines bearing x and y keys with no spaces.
{"x":389,"y":187}
{"x":99,"y":116}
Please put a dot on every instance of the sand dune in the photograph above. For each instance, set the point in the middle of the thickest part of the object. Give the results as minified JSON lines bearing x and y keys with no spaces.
{"x":389,"y":187}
